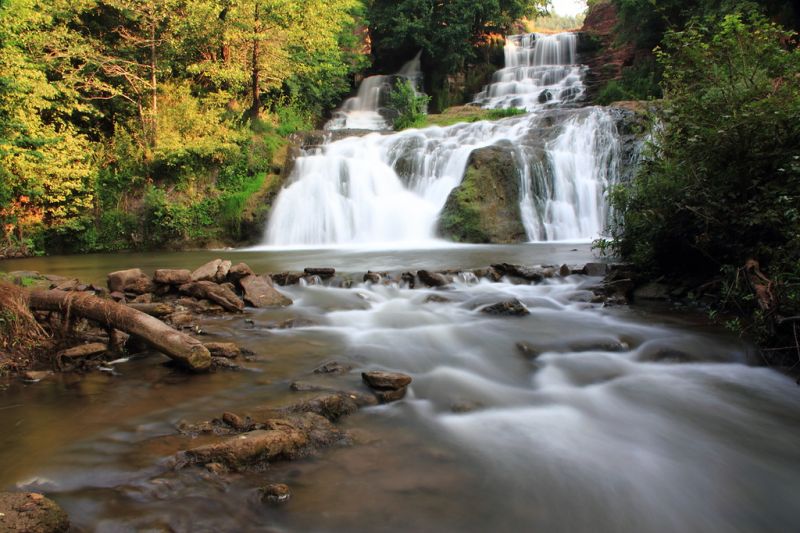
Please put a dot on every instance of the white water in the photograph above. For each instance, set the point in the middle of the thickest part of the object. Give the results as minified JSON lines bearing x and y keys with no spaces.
{"x":363,"y":111}
{"x":539,"y":69}
{"x":389,"y":189}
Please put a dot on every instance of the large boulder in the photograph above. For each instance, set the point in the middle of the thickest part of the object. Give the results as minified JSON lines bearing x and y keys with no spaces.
{"x":31,"y":512}
{"x":484,"y":208}
{"x":216,"y":271}
{"x":171,"y":276}
{"x":131,"y":280}
{"x":259,"y":292}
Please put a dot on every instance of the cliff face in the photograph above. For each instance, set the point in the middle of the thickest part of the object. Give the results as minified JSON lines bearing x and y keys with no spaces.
{"x":600,"y":50}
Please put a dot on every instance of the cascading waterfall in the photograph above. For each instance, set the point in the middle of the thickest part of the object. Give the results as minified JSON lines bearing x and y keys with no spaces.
{"x":539,"y":69}
{"x":364,"y":111}
{"x":390,"y":188}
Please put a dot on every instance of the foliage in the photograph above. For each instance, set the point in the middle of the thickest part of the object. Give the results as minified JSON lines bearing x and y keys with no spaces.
{"x":497,"y":114}
{"x":638,"y":82}
{"x":410,"y":106}
{"x":720,"y":184}
{"x":553,"y":22}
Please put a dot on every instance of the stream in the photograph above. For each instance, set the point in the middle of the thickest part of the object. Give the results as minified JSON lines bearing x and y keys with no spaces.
{"x":629,"y":419}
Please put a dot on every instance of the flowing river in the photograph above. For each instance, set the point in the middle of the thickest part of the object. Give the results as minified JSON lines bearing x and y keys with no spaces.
{"x":577,"y":417}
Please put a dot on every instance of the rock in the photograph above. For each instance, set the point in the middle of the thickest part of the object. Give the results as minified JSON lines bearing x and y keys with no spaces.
{"x":68,"y":285}
{"x":132,"y":280}
{"x":287,"y":278}
{"x":435,"y":298}
{"x":154,"y":309}
{"x":409,"y":278}
{"x":36,"y":375}
{"x":388,"y":396}
{"x":375,"y":277}
{"x":305,"y":386}
{"x":324,"y":273}
{"x":484,"y":208}
{"x":215,"y":293}
{"x":564,"y":271}
{"x":332,"y":406}
{"x":227,"y":350}
{"x":216,"y":468}
{"x":83,"y":350}
{"x":237,"y":422}
{"x":222,"y":272}
{"x":117,"y":296}
{"x":180,"y":319}
{"x":380,"y":380}
{"x":173,"y":277}
{"x":31,"y":513}
{"x":527,"y":273}
{"x":651,"y":291}
{"x":465,"y":406}
{"x":432,"y":279}
{"x":527,"y":350}
{"x":228,"y":285}
{"x":508,"y":308}
{"x":595,"y":269}
{"x":333,"y":367}
{"x":223,"y":363}
{"x":239,"y":271}
{"x":259,"y":292}
{"x":252,"y":447}
{"x":207,"y":272}
{"x":143,"y":299}
{"x":275,"y":493}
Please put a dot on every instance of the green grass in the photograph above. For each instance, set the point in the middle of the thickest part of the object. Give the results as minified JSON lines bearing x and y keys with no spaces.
{"x":460,"y":114}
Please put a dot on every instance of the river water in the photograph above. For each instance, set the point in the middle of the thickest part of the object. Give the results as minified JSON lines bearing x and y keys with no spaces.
{"x":630,"y":418}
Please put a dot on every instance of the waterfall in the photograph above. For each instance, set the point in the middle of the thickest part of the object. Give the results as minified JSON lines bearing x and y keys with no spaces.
{"x":539,"y":70}
{"x":366,"y":111}
{"x":390,"y":188}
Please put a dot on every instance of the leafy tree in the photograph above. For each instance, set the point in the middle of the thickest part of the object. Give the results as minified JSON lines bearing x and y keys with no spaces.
{"x":409,"y":104}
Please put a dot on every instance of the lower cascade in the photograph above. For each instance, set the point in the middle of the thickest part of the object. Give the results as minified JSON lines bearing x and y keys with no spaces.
{"x":392,"y":188}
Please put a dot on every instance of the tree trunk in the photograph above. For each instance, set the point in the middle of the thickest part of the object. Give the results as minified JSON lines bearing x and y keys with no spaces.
{"x":188,"y":351}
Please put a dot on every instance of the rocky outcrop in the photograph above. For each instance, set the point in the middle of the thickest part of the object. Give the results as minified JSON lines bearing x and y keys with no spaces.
{"x":31,"y":512}
{"x":484,"y":208}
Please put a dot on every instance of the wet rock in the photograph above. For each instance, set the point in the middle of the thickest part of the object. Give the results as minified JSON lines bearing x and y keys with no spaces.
{"x":527,"y":351}
{"x":239,"y":271}
{"x":465,"y":406}
{"x":595,"y":269}
{"x":31,"y":512}
{"x":222,"y":272}
{"x":252,"y":447}
{"x":388,"y":396}
{"x":432,"y":279}
{"x":227,"y":350}
{"x":436,"y":299}
{"x":332,"y":406}
{"x":216,"y":468}
{"x":228,"y":285}
{"x":305,"y":386}
{"x":215,"y":293}
{"x":35,"y":376}
{"x":527,"y":273}
{"x":132,"y":280}
{"x":333,"y":367}
{"x":409,"y":278}
{"x":380,"y":380}
{"x":237,"y":422}
{"x":489,"y":273}
{"x":259,"y":292}
{"x":275,"y":493}
{"x":287,"y":278}
{"x":608,"y":345}
{"x":207,"y":272}
{"x":223,"y":363}
{"x":83,"y":350}
{"x":375,"y":277}
{"x":651,"y":291}
{"x":289,"y":323}
{"x":324,"y":273}
{"x":508,"y":308}
{"x":173,"y":277}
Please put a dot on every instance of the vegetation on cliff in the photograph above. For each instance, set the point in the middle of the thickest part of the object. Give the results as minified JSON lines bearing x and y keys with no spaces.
{"x":720,"y":184}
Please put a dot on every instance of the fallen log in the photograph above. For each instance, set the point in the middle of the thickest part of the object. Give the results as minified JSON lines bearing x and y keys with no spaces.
{"x":153,"y":309}
{"x":186,"y":350}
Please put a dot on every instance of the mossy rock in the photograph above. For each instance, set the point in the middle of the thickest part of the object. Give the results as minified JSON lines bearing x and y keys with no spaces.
{"x":484,"y":208}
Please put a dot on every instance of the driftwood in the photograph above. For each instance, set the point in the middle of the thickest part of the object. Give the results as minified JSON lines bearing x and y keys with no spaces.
{"x":186,"y":350}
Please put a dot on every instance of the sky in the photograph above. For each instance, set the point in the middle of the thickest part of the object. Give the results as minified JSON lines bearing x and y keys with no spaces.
{"x":568,"y":7}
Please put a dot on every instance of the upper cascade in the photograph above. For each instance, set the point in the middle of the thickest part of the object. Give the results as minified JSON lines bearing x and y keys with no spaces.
{"x":540,"y":70}
{"x":366,"y":110}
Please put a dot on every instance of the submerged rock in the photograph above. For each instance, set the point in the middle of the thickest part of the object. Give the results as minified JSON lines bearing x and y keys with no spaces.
{"x":32,"y":513}
{"x":333,"y":367}
{"x":323,"y":272}
{"x":275,"y":493}
{"x":508,"y":308}
{"x":223,"y":349}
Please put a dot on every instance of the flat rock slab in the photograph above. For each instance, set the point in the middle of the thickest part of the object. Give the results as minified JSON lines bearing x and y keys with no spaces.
{"x":223,"y":349}
{"x":32,"y":513}
{"x":386,"y":381}
{"x":259,"y":292}
{"x":252,"y":447}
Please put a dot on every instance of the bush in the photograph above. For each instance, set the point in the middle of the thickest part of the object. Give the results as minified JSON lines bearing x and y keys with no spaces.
{"x":411,"y":106}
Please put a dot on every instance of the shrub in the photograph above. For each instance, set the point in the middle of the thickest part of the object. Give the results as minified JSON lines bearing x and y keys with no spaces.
{"x":411,"y":106}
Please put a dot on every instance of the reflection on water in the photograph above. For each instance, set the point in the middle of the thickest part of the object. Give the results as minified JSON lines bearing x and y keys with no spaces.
{"x":608,"y":419}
